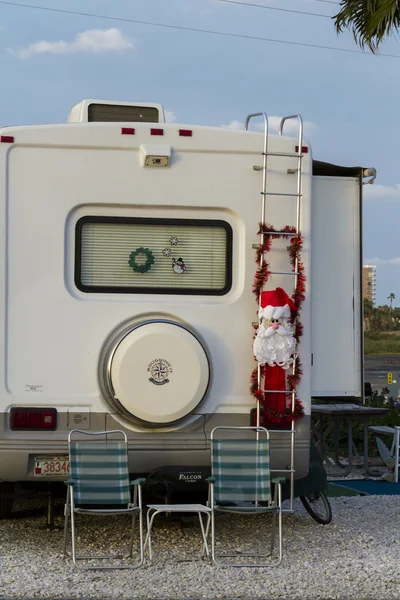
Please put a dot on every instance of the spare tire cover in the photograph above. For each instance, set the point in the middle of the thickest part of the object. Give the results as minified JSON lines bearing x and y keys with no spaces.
{"x":159,"y":372}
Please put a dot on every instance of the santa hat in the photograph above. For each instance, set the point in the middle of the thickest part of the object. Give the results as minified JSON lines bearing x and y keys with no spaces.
{"x":276,"y":304}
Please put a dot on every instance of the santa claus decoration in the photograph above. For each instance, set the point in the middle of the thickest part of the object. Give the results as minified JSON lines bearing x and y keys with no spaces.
{"x":274,"y":344}
{"x":275,"y":349}
{"x":275,"y":380}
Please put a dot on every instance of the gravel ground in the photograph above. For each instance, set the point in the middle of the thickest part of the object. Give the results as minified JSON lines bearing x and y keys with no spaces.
{"x":334,"y":473}
{"x":356,"y":556}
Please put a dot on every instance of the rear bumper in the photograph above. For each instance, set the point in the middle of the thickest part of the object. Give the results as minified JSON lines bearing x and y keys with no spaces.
{"x":147,"y":450}
{"x":19,"y":465}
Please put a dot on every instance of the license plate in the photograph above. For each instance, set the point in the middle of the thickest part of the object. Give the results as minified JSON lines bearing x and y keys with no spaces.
{"x":51,"y":466}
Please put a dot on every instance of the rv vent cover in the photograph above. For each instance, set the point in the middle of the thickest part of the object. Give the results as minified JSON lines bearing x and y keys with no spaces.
{"x":116,"y":112}
{"x":157,"y":373}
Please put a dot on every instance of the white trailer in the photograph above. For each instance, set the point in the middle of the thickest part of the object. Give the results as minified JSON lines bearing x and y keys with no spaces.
{"x":127,"y":263}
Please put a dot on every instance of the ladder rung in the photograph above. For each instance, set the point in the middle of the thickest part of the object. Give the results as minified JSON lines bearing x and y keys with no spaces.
{"x":257,"y":246}
{"x":291,"y":155}
{"x":279,"y":391}
{"x":280,"y":194}
{"x":279,"y":233}
{"x":281,"y":470}
{"x":282,"y":430}
{"x":283,"y":273}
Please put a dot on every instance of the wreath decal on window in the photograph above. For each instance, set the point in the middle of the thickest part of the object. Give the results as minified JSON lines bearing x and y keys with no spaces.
{"x":146,"y":266}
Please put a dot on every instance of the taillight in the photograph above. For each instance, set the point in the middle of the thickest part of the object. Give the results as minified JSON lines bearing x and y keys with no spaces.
{"x":304,"y":149}
{"x":39,"y":419}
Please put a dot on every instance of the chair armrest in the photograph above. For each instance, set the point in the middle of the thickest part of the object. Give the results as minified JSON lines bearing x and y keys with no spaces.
{"x":139,"y":481}
{"x":210,"y":480}
{"x":70,"y":482}
{"x":278,"y":479}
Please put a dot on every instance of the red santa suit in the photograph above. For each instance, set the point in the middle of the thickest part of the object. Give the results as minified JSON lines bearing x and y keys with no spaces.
{"x":274,"y":345}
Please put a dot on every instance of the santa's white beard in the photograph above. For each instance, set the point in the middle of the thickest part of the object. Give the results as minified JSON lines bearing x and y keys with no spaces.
{"x":274,"y":347}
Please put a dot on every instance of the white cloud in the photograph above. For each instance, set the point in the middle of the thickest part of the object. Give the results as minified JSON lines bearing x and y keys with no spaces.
{"x":234,"y":125}
{"x":382,"y":192}
{"x":91,"y":41}
{"x":170,"y":116}
{"x":290,"y":128}
{"x":382,"y":261}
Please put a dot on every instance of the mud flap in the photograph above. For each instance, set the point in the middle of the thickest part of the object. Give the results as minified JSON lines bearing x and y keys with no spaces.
{"x":172,"y":481}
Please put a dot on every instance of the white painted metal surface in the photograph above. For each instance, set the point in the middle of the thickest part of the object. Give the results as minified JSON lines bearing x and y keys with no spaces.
{"x":335,"y":288}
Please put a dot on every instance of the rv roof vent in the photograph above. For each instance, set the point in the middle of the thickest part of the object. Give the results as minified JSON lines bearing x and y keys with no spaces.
{"x":110,"y":111}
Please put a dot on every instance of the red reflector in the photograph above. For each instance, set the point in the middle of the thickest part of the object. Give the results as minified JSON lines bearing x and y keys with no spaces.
{"x":304,"y":149}
{"x":156,"y":131}
{"x":128,"y":131}
{"x":185,"y":132}
{"x":33,"y":418}
{"x":18,"y":419}
{"x":7,"y":139}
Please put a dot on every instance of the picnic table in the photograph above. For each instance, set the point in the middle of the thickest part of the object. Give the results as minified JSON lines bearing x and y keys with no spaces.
{"x":327,"y":418}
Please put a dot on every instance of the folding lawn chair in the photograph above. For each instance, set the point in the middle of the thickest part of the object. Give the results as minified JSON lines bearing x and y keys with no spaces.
{"x":240,"y":483}
{"x":389,"y":457}
{"x":99,"y":485}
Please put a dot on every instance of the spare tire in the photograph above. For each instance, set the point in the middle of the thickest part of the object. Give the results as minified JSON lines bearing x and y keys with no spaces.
{"x":156,"y":372}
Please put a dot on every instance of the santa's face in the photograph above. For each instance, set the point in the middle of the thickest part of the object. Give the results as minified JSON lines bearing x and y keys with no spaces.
{"x":274,"y":343}
{"x":276,"y":327}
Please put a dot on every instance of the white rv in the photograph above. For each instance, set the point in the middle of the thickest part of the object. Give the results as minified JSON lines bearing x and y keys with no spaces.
{"x":126,"y":265}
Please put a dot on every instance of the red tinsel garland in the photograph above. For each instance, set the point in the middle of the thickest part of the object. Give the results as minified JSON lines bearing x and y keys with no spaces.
{"x":261,"y":278}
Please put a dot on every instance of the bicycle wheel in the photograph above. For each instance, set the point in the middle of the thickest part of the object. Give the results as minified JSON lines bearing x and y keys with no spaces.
{"x":317,"y":505}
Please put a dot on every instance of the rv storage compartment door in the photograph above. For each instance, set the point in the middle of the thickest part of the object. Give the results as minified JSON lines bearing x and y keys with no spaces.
{"x":336,"y":294}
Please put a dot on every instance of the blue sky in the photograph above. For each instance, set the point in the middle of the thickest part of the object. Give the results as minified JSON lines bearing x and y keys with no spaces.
{"x":50,"y":61}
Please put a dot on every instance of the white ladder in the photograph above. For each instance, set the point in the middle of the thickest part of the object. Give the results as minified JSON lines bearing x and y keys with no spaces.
{"x":264,"y":195}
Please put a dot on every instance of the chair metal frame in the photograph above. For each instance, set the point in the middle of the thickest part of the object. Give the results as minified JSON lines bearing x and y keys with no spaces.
{"x":199,"y":509}
{"x":134,"y":508}
{"x":389,"y":457}
{"x":274,"y":506}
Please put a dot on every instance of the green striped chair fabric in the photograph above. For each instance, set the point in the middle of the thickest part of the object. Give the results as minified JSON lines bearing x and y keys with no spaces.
{"x":241,"y":471}
{"x":100,"y":472}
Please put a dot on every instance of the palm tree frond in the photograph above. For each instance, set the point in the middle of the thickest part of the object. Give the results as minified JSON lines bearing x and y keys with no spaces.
{"x":370,"y":21}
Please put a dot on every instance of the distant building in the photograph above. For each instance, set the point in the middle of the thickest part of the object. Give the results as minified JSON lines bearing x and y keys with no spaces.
{"x":369,"y":283}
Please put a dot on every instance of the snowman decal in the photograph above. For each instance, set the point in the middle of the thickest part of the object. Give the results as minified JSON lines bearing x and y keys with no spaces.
{"x":178,"y":266}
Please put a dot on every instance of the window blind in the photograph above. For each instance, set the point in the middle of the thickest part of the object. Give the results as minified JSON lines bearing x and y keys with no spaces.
{"x":136,"y":254}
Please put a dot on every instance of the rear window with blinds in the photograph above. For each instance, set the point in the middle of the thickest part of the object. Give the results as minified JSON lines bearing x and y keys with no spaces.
{"x":157,"y":256}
